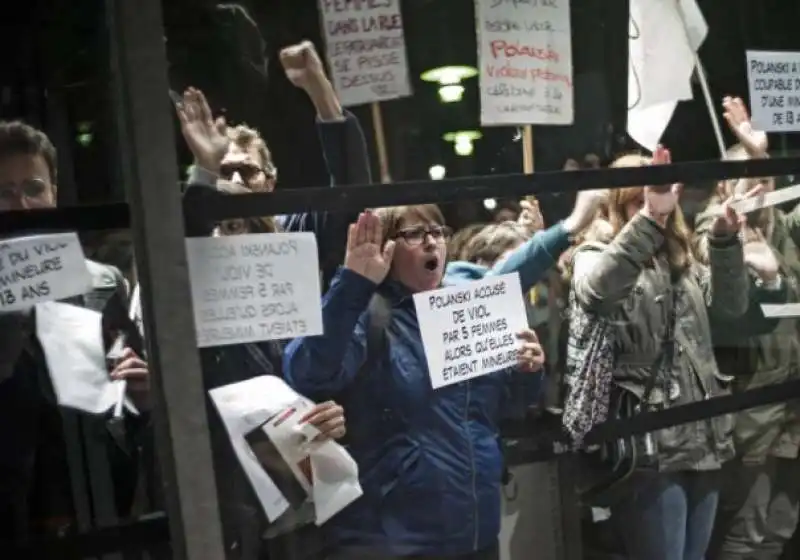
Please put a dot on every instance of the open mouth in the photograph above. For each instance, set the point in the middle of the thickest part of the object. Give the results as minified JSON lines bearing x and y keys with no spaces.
{"x":432,"y":264}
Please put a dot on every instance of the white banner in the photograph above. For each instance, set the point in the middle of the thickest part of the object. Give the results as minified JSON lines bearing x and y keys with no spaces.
{"x":248,"y":288}
{"x":774,"y":80}
{"x":471,"y":329}
{"x":366,"y":50}
{"x":41,"y":268}
{"x":525,"y":62}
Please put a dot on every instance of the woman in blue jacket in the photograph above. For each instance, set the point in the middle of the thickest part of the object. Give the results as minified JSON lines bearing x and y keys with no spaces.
{"x":429,"y":461}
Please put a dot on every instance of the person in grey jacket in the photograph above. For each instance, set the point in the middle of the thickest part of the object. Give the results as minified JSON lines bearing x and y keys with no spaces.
{"x":646,"y":283}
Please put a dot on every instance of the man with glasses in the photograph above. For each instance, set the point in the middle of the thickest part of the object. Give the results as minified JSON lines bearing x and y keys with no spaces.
{"x":39,"y":472}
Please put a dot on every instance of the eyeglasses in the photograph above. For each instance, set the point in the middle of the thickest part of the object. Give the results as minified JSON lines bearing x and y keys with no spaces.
{"x":31,"y":188}
{"x":247,"y":171}
{"x":415,"y":236}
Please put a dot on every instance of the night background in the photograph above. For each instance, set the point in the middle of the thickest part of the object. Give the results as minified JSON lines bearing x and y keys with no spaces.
{"x":58,"y":77}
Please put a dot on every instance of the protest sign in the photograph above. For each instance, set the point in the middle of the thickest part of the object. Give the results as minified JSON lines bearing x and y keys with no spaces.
{"x":41,"y":268}
{"x":247,"y":288}
{"x":471,"y":330}
{"x":525,"y":59}
{"x":774,"y":81}
{"x":366,"y":50}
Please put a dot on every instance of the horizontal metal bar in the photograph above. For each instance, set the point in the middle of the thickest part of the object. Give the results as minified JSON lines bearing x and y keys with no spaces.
{"x":353,"y":199}
{"x":356,"y":198}
{"x":545,"y":446}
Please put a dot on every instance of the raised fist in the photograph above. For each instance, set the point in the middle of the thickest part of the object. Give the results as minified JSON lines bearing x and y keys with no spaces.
{"x":302,"y":64}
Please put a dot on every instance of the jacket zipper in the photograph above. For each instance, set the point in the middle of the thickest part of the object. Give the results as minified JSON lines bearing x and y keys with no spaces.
{"x":472,"y":470}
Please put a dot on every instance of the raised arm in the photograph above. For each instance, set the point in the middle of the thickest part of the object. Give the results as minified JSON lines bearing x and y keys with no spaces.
{"x":322,"y":366}
{"x":538,"y":255}
{"x":604,"y":276}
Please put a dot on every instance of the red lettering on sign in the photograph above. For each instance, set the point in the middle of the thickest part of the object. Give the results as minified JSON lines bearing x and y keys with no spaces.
{"x":513,"y":50}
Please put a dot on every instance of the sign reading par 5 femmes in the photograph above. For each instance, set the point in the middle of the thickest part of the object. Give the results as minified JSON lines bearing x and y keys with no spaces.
{"x":774,"y":79}
{"x":525,"y":58}
{"x":470,"y":330}
{"x":366,"y":50}
{"x":41,"y":268}
{"x":248,"y":288}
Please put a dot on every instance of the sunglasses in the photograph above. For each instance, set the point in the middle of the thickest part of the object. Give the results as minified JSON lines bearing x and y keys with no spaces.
{"x":247,"y":171}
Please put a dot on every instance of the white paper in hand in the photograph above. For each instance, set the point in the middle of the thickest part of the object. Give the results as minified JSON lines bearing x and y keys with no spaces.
{"x":72,"y":341}
{"x":245,"y":407}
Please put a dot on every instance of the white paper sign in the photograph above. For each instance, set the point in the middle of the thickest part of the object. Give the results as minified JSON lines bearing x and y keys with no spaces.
{"x":781,"y":196}
{"x":471,"y":329}
{"x":245,"y":406}
{"x":366,"y":50}
{"x":780,"y":310}
{"x":247,"y":288}
{"x":525,"y":61}
{"x":72,"y":342}
{"x":41,"y":268}
{"x":774,"y":80}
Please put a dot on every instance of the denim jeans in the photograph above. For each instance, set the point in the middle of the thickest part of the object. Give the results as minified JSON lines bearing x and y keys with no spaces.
{"x":669,"y":516}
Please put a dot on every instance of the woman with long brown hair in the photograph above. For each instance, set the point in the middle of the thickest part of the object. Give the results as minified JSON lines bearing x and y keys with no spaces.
{"x":657,"y":300}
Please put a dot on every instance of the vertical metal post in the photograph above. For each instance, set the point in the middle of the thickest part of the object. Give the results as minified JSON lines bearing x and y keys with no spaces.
{"x":157,"y":222}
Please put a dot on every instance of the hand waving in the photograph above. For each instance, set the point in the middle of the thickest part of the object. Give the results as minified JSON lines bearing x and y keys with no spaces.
{"x":366,"y":254}
{"x":754,"y":141}
{"x":659,"y":202}
{"x":206,"y":138}
{"x":302,"y":64}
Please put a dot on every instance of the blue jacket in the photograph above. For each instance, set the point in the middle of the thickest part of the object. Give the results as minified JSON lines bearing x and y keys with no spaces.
{"x":429,"y":461}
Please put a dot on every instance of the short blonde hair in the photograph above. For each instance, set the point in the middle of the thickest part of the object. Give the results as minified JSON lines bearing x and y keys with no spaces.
{"x":491,"y":242}
{"x":247,"y":138}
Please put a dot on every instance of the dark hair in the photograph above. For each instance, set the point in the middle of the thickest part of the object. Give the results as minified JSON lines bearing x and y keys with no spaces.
{"x":16,"y":137}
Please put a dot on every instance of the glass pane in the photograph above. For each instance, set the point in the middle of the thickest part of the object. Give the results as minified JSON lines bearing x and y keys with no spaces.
{"x":645,"y":300}
{"x":71,"y":464}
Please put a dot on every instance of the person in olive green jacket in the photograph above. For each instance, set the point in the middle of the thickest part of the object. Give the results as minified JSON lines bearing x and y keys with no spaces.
{"x":639,"y":282}
{"x":758,"y":510}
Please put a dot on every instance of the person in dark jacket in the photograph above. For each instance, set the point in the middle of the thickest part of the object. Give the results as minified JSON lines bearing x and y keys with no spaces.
{"x":233,"y":161}
{"x":429,"y":462}
{"x":47,"y":462}
{"x":760,"y":494}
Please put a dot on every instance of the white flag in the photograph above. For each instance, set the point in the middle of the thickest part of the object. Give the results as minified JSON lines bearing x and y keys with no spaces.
{"x":663,"y":39}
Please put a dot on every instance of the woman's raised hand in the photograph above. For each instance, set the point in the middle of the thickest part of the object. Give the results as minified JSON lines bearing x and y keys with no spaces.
{"x":738,"y":119}
{"x":660,"y":201}
{"x":367,"y":254}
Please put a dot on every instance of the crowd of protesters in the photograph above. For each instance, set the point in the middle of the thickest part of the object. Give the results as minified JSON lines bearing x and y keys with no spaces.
{"x":626,"y":298}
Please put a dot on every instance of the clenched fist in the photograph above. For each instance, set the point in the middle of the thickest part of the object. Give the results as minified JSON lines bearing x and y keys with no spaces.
{"x":302,"y":65}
